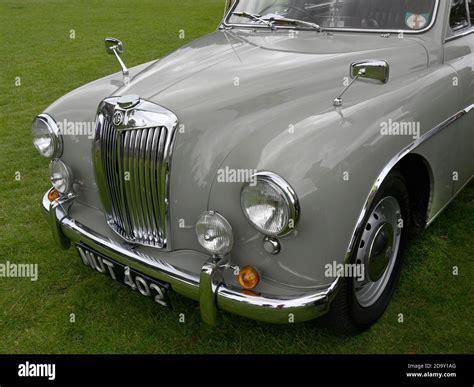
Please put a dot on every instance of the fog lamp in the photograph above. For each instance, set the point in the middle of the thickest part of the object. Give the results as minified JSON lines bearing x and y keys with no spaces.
{"x":214,"y":233}
{"x":61,"y":176}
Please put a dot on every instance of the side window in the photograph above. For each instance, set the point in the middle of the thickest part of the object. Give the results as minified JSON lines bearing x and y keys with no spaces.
{"x":458,"y":19}
{"x":471,"y":11}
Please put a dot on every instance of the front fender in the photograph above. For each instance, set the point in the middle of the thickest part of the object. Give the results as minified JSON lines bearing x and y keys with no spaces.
{"x":333,"y":160}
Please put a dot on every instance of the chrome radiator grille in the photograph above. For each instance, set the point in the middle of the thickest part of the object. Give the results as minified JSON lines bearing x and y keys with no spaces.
{"x":132,"y":168}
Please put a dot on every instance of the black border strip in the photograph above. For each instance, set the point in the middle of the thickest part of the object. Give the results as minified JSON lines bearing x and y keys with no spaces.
{"x":243,"y":370}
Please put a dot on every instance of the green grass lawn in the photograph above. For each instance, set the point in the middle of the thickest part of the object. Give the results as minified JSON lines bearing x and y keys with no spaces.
{"x":35,"y":45}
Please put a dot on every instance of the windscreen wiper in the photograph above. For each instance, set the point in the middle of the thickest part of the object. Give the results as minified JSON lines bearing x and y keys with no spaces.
{"x":274,"y":20}
{"x":254,"y":16}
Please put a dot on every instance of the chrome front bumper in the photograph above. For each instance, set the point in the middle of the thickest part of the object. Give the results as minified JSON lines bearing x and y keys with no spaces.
{"x":208,"y":288}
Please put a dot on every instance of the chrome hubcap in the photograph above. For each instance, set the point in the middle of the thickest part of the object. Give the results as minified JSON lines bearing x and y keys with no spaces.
{"x":378,"y":250}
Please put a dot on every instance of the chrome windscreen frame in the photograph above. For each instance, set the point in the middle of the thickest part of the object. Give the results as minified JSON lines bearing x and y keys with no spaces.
{"x":225,"y":24}
{"x":145,"y":115}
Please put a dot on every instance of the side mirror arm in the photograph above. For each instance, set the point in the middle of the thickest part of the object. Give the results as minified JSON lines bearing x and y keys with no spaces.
{"x":115,"y":47}
{"x":125,"y":71}
{"x":338,"y":100}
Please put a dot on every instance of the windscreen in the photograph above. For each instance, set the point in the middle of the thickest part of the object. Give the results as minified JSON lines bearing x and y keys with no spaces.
{"x":400,"y":15}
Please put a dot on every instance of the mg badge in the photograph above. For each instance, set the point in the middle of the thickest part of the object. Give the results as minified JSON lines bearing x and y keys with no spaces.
{"x":118,"y":117}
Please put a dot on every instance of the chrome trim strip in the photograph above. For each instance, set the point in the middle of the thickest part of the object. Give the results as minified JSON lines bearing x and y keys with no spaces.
{"x":432,"y":23}
{"x":264,"y":307}
{"x":469,"y":108}
{"x":433,"y":218}
{"x":461,"y":35}
{"x":141,"y":143}
{"x":386,"y":170}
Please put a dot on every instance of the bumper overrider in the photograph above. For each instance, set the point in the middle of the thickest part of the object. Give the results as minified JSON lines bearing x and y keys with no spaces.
{"x":208,"y":288}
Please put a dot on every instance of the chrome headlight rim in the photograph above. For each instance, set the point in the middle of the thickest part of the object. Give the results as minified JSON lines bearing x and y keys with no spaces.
{"x":67,"y":177}
{"x":288,"y":195}
{"x":54,"y":133}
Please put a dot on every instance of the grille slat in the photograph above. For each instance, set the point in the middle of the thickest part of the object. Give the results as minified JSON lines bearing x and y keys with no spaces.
{"x":138,"y":197}
{"x":120,"y":180}
{"x":149,"y":182}
{"x":132,"y":183}
{"x":142,"y":186}
{"x":161,"y":176}
{"x":111,"y":158}
{"x":154,"y":174}
{"x":108,"y":158}
{"x":126,"y":171}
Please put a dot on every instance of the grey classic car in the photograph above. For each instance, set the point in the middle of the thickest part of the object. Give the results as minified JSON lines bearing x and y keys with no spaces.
{"x":276,"y":167}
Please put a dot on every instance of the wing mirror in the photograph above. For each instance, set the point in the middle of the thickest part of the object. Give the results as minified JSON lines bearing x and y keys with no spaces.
{"x":377,"y":71}
{"x":115,"y":47}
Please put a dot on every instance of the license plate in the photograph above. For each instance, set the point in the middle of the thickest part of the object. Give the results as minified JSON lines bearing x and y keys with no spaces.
{"x":146,"y":286}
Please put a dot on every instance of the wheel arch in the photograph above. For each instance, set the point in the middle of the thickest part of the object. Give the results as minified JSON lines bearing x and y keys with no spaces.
{"x":412,"y":166}
{"x":419,"y":176}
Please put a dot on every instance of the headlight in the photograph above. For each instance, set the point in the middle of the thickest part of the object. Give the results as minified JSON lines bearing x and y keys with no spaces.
{"x":214,"y":233}
{"x":61,"y":176}
{"x":46,"y":137}
{"x":271,"y":205}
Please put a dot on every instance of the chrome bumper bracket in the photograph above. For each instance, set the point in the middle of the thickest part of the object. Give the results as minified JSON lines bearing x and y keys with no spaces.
{"x":58,"y":210}
{"x":209,"y":281}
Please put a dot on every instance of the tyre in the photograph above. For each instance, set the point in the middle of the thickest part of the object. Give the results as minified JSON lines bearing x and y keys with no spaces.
{"x":379,"y":248}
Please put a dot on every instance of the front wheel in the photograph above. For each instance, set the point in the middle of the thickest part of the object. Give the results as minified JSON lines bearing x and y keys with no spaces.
{"x":378,"y":254}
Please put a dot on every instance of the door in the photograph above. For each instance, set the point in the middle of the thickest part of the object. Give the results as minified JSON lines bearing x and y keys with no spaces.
{"x":459,"y":53}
